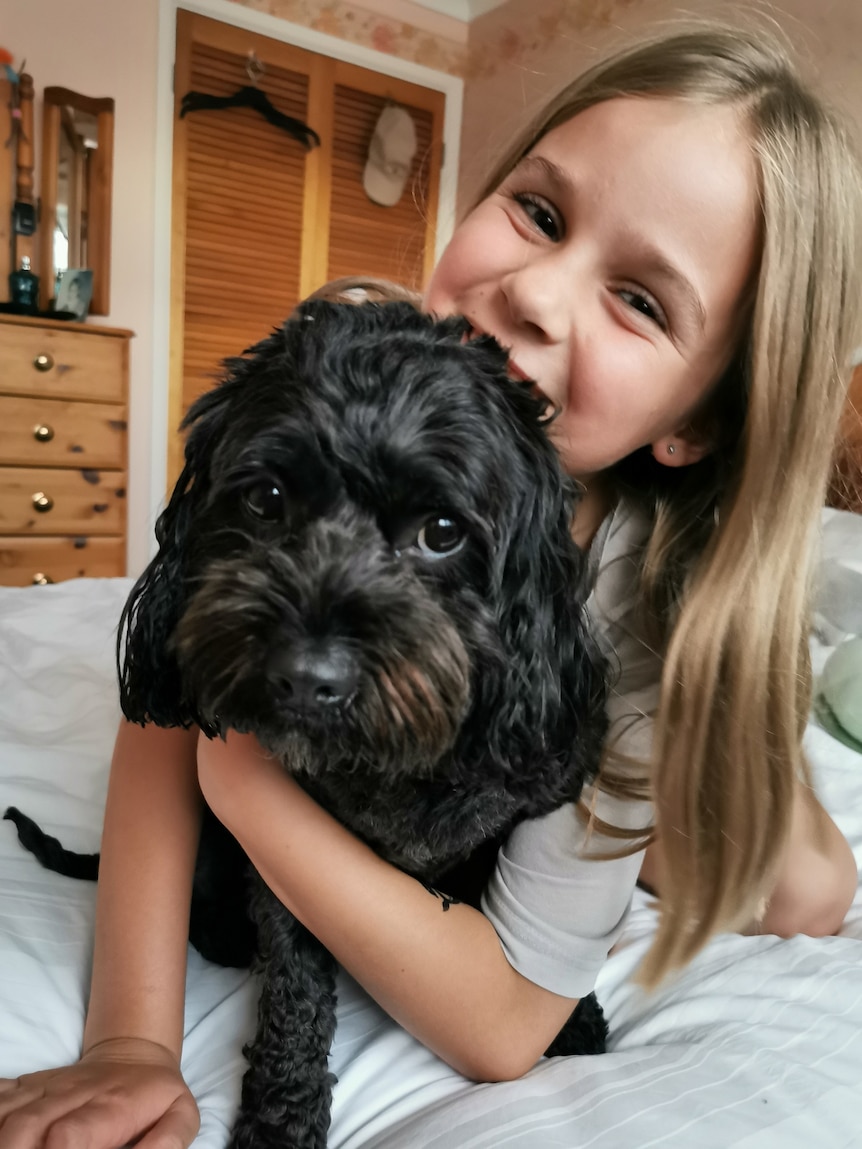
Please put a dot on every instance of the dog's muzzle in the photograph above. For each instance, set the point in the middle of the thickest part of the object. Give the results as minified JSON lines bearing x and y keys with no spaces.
{"x":313,"y":676}
{"x":333,"y":642}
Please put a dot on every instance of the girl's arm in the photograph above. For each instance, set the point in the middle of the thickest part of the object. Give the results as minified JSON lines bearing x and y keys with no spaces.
{"x":149,"y":843}
{"x":818,"y":877}
{"x":441,"y":975}
{"x":128,"y":1080}
{"x":816,"y":883}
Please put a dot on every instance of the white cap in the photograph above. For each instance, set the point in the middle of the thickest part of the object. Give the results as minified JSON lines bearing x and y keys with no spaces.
{"x":390,"y":156}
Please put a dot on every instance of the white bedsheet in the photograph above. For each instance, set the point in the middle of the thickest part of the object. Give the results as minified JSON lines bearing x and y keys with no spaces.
{"x":758,"y":1044}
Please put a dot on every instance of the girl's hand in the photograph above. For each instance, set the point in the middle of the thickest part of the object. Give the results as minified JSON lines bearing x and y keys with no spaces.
{"x":121,"y":1090}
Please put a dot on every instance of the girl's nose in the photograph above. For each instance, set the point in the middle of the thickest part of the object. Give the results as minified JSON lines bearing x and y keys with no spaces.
{"x":539,"y":300}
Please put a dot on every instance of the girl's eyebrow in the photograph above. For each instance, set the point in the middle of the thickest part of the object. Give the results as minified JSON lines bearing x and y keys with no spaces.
{"x":548,"y":168}
{"x":654,"y":261}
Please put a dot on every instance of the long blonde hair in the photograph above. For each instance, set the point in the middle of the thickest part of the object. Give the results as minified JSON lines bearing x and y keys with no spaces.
{"x":725,"y":575}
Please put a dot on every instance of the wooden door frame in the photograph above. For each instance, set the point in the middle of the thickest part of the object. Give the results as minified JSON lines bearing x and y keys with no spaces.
{"x":343,"y":50}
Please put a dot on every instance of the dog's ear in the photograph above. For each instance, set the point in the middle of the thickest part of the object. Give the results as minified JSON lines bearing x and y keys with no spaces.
{"x":551,"y":701}
{"x":151,"y":687}
{"x":150,"y":684}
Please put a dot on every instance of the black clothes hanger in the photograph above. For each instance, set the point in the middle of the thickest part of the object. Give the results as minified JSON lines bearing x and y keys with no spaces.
{"x":250,"y":97}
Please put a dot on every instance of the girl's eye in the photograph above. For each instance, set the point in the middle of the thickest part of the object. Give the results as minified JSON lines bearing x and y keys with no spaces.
{"x":644,"y":304}
{"x":440,"y":537}
{"x":541,"y":214}
{"x":264,"y":501}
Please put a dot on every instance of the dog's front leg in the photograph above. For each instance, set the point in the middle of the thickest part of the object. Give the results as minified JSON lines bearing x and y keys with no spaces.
{"x":287,"y":1089}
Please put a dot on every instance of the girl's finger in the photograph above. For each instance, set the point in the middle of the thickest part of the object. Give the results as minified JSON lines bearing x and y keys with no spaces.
{"x":28,"y":1125}
{"x":14,"y":1089}
{"x":28,"y":1098}
{"x":176,"y":1130}
{"x":98,"y":1124}
{"x":31,"y":1095}
{"x":52,"y":1122}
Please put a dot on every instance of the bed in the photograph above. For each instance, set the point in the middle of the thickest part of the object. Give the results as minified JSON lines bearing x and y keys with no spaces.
{"x":758,"y":1044}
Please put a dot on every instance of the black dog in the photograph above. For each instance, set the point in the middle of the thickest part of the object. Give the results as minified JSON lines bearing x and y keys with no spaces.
{"x":367,"y":562}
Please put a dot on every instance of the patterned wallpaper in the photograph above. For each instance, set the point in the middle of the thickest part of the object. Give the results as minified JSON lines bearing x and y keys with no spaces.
{"x":522,"y":30}
{"x":393,"y":34}
{"x":504,"y":37}
{"x":522,"y":33}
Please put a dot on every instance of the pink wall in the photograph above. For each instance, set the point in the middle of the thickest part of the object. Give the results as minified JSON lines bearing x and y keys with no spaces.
{"x":526,"y":50}
{"x":398,"y":27}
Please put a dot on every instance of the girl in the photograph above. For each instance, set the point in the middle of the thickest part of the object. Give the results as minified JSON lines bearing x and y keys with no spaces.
{"x":671,"y":252}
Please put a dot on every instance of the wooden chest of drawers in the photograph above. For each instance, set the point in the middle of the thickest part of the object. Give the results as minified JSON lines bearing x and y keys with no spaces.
{"x":63,"y":450}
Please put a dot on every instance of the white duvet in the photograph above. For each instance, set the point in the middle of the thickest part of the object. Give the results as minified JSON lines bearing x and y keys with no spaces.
{"x":758,"y":1044}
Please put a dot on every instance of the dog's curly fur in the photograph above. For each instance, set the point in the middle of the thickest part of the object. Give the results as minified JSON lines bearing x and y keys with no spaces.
{"x":367,"y":562}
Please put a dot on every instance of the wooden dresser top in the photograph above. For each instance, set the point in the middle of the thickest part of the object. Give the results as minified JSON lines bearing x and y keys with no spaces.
{"x":65,"y":325}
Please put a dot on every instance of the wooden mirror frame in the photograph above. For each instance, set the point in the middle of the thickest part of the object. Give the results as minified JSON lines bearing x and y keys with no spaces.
{"x":99,"y":219}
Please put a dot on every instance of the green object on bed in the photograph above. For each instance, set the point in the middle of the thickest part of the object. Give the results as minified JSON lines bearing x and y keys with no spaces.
{"x":839,"y":702}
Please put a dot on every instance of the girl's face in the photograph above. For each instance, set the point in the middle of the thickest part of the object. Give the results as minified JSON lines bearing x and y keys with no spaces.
{"x":612,"y":263}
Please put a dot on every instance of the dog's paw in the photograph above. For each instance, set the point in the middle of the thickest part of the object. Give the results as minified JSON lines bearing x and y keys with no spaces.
{"x":250,"y":1133}
{"x":271,"y":1139}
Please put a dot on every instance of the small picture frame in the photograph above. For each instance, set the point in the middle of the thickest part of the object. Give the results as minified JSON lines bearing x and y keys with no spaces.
{"x":75,"y":292}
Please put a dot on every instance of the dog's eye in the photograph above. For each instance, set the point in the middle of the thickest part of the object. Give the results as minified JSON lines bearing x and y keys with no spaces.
{"x":265,"y":501}
{"x":440,"y":536}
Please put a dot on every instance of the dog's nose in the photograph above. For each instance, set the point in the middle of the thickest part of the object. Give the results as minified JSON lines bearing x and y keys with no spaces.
{"x":314,"y":676}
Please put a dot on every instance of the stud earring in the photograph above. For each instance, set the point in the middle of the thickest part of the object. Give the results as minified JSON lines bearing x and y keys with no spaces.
{"x":671,"y":449}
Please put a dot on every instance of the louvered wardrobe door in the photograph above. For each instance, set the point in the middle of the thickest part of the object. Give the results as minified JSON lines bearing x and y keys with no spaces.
{"x":238,"y":208}
{"x":245,"y":182}
{"x":393,"y":242}
{"x":258,"y":222}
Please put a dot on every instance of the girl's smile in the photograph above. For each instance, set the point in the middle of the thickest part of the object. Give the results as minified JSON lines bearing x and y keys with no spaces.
{"x":611,"y":262}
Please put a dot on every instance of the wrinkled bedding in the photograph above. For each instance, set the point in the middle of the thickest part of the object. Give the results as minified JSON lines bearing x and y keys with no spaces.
{"x":758,"y":1044}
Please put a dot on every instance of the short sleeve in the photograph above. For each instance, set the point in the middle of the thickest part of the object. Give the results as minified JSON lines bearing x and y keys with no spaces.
{"x":556,"y":910}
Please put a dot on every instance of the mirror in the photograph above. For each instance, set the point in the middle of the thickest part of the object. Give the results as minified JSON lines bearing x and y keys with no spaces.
{"x":77,"y":169}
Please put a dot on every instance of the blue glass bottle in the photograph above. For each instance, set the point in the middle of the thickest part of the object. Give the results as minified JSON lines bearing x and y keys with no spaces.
{"x":24,"y":286}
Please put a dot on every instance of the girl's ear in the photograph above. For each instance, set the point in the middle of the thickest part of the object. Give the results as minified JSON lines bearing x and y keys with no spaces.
{"x":688,"y":445}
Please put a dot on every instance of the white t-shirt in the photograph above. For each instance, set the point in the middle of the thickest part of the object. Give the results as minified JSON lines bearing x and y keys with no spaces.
{"x":557,"y":910}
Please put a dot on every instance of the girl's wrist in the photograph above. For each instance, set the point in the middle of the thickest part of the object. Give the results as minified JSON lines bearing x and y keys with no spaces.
{"x":131,"y":1049}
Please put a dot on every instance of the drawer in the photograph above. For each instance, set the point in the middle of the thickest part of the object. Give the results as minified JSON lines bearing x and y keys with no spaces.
{"x":80,"y":502}
{"x":56,"y":433}
{"x":62,"y":364}
{"x":24,"y":561}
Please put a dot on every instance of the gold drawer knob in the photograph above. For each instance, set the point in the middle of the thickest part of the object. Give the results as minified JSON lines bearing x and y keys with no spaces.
{"x":42,"y":433}
{"x":42,"y":502}
{"x":41,"y":579}
{"x":43,"y":362}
